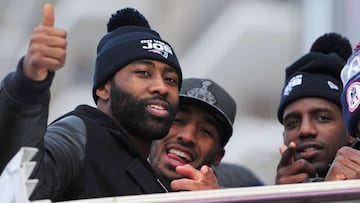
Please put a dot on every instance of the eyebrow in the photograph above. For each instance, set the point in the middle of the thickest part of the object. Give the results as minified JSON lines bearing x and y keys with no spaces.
{"x":312,"y":111}
{"x":168,"y":68}
{"x":149,"y":62}
{"x":291,"y":115}
{"x":184,"y":109}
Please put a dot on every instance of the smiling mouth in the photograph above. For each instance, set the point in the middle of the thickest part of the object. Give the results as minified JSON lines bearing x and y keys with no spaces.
{"x":158,"y":110}
{"x":184,"y":156}
{"x":309,"y":149}
{"x":309,"y":152}
{"x":157,"y":107}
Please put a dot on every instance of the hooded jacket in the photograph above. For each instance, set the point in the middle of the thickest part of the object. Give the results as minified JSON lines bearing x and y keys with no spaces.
{"x":83,"y":154}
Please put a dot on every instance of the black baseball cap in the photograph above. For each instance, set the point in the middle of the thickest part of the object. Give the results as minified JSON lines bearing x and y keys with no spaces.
{"x":210,"y":96}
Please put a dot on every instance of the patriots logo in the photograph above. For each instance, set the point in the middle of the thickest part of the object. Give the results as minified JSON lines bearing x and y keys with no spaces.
{"x":353,"y":96}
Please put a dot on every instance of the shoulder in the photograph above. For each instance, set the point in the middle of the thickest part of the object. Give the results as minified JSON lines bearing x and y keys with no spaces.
{"x":234,"y":175}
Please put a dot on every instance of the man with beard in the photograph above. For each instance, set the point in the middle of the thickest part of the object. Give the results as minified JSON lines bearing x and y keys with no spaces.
{"x":196,"y":140}
{"x":310,"y":110}
{"x":93,"y":152}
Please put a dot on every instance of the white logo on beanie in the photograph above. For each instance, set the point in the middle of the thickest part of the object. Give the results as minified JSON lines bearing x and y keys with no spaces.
{"x":351,"y":68}
{"x":332,"y":85}
{"x":157,"y":46}
{"x":202,"y":93}
{"x":294,"y":81}
{"x":353,"y":96}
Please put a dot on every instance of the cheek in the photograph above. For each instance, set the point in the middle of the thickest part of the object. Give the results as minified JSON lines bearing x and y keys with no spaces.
{"x":174,"y":96}
{"x":289,"y":136}
{"x":337,"y":140}
{"x":173,"y":132}
{"x":207,"y":147}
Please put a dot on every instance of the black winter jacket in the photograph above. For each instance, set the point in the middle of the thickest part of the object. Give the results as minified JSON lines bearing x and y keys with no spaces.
{"x":84,"y":154}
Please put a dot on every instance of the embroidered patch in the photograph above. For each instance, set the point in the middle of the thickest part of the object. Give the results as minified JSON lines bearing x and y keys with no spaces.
{"x":158,"y":47}
{"x":294,"y":81}
{"x":353,"y":96}
{"x":202,"y":93}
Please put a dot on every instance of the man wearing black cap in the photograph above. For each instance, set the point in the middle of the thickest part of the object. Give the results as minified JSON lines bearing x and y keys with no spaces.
{"x":310,"y":110}
{"x":196,"y":140}
{"x":93,"y":152}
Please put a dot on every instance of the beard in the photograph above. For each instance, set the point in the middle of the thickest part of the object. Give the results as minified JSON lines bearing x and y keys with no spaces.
{"x":131,"y":113}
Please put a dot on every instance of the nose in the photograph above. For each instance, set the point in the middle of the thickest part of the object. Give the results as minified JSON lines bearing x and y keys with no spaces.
{"x":188,"y":134}
{"x":159,"y":86}
{"x":307,"y":129}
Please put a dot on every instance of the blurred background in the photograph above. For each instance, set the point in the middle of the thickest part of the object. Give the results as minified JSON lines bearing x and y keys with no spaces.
{"x":244,"y":45}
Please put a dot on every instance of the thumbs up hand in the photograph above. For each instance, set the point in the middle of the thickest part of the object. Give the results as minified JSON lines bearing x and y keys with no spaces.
{"x":47,"y":48}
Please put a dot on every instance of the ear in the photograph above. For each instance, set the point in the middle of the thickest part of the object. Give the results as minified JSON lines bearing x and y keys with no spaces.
{"x":351,"y":139}
{"x":218,"y":157}
{"x":283,"y":134}
{"x":103,"y":92}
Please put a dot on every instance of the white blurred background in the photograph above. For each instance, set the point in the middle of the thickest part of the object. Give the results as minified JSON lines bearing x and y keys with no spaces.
{"x":244,"y":45}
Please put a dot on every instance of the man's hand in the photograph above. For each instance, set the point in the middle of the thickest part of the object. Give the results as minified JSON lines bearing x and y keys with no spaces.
{"x":345,"y":166}
{"x":203,"y":179}
{"x":291,"y":171}
{"x":47,"y":49}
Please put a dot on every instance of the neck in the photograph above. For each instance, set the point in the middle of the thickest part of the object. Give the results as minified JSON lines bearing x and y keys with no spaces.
{"x":142,"y":145}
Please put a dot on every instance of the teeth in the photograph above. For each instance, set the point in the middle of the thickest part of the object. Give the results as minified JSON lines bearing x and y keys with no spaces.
{"x":309,"y":149}
{"x":157,"y":107}
{"x":180,"y":154}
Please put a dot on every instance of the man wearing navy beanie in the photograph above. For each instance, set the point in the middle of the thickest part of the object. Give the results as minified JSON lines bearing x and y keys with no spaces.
{"x":346,"y":164}
{"x":124,"y":44}
{"x":94,"y":152}
{"x":350,"y":76}
{"x":310,"y":111}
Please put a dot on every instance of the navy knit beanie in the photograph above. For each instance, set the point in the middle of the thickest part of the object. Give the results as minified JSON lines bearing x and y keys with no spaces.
{"x":131,"y":40}
{"x":350,"y":98}
{"x":317,"y":73}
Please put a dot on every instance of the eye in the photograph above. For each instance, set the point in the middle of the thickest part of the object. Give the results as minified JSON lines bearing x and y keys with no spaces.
{"x":206,"y":133}
{"x":179,"y":121}
{"x":209,"y":130}
{"x":291,"y":123}
{"x":323,"y":118}
{"x":143,"y":73}
{"x":172,"y":80}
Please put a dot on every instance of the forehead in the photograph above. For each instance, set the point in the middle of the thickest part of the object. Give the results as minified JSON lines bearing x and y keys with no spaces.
{"x":201,"y":114}
{"x":196,"y":110}
{"x":306,"y":105}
